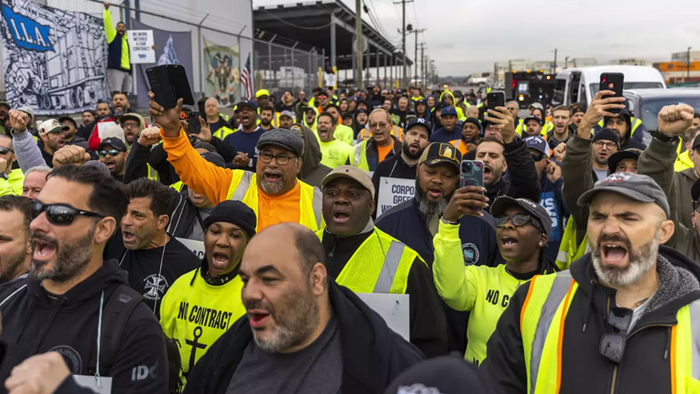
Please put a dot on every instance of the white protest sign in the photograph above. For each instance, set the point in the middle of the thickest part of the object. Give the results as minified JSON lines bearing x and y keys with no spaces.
{"x":393,"y":308}
{"x":101,"y":385}
{"x":197,"y":247}
{"x":101,"y":128}
{"x":394,"y":191}
{"x":141,"y":46}
{"x":330,"y":79}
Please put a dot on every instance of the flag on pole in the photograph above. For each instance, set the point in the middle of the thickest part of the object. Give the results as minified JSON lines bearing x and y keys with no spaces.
{"x":247,"y":82}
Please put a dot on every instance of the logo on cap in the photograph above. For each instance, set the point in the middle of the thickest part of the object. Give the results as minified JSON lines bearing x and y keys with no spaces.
{"x":617,"y":177}
{"x":447,"y":151}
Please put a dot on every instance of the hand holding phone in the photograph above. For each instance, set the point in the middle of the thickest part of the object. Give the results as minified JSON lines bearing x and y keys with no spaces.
{"x":496,"y":99}
{"x":469,"y":199}
{"x":169,"y":83}
{"x":614,"y":82}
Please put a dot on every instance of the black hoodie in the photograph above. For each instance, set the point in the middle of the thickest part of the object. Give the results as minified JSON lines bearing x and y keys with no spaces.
{"x":646,"y":363}
{"x":36,"y":322}
{"x":373,"y":355}
{"x":312,"y":171}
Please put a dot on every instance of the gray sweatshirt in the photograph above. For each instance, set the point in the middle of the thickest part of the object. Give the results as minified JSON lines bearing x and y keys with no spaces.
{"x":27,"y":151}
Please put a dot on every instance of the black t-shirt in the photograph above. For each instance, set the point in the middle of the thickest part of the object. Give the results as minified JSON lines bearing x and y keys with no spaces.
{"x":143,"y":266}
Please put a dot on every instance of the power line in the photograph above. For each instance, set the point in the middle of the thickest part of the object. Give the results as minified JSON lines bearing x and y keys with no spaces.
{"x":376,"y":19}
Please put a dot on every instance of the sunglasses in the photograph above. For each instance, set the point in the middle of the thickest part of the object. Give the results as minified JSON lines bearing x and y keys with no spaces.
{"x":111,"y":152}
{"x":60,"y":214}
{"x":537,"y":156}
{"x":4,"y":150}
{"x":518,"y":220}
{"x":612,"y":345}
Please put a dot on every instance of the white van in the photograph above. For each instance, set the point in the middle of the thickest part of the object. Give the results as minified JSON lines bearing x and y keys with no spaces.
{"x":578,"y":85}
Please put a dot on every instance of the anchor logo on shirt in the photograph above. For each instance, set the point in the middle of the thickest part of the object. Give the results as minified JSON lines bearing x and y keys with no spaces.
{"x":195,"y":345}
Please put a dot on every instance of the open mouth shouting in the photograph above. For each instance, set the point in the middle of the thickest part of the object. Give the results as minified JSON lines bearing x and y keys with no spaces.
{"x":508,"y":242}
{"x":435,"y":192}
{"x":128,"y":237}
{"x":43,"y":247}
{"x":340,"y":215}
{"x":219,"y":260}
{"x":258,"y":318}
{"x":614,"y":252}
{"x":487,"y":170}
{"x":273,"y":176}
{"x":110,"y":163}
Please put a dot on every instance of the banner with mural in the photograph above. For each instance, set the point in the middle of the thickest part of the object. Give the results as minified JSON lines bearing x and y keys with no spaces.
{"x":222,"y":72}
{"x":55,"y":60}
{"x":171,"y":48}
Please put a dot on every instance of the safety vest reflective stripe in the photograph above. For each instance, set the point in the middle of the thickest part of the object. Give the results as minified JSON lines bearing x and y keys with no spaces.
{"x":521,"y":127}
{"x":360,"y":156}
{"x":460,"y":146}
{"x":381,"y":264}
{"x":569,"y":251}
{"x":223,"y":132}
{"x":541,"y":306}
{"x":153,"y":174}
{"x":244,"y":188}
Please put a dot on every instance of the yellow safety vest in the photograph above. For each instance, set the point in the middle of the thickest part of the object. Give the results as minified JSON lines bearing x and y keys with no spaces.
{"x":224,"y":116}
{"x":244,"y":188}
{"x":635,"y":124}
{"x":521,"y":128}
{"x":548,"y":126}
{"x":359,"y":158}
{"x":223,"y":132}
{"x":372,"y":266}
{"x":153,"y":174}
{"x":569,"y":251}
{"x":542,"y":319}
{"x":683,"y":161}
{"x":177,"y":186}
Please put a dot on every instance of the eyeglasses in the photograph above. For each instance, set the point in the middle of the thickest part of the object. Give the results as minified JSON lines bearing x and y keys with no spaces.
{"x":267,"y":157}
{"x":612,"y":345}
{"x":128,"y":125}
{"x":59,"y":214}
{"x":378,"y":126}
{"x":609,"y":145}
{"x":4,"y":150}
{"x":518,"y":220}
{"x":111,"y":152}
{"x":537,"y":156}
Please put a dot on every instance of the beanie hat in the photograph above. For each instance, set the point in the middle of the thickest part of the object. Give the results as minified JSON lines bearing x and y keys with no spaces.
{"x":234,"y":212}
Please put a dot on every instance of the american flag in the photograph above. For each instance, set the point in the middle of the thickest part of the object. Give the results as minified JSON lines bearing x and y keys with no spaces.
{"x":245,"y":79}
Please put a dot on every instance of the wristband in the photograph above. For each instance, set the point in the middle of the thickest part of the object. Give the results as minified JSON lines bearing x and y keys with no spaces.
{"x":663,"y":137}
{"x":442,"y":219}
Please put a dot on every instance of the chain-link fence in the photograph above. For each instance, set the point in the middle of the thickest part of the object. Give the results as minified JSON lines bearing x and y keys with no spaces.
{"x":279,"y":67}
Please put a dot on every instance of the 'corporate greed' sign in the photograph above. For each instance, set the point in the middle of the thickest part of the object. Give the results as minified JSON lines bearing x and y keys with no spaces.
{"x":394,"y":191}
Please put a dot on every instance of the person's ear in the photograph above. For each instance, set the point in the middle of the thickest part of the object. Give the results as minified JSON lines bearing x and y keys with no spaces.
{"x":318,"y":279}
{"x":666,"y":230}
{"x":163,"y":221}
{"x":543,"y":240}
{"x":104,"y":229}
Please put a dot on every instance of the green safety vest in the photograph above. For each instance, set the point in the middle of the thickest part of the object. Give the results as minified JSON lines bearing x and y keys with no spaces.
{"x":542,"y":320}
{"x":380,"y":265}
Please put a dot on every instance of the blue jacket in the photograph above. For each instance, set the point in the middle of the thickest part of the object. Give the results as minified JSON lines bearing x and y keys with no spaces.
{"x":551,"y":199}
{"x":442,"y":135}
{"x":407,"y":224}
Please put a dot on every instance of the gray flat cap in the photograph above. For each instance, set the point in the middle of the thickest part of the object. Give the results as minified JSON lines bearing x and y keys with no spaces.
{"x":284,"y":139}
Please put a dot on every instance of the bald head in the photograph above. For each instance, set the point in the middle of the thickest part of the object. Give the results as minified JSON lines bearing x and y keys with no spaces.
{"x":304,"y":245}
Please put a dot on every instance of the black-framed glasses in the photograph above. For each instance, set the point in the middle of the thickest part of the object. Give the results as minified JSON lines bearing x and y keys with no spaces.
{"x":601,"y":143}
{"x":266,"y":157}
{"x":537,"y":156}
{"x":111,"y":152}
{"x":4,"y":151}
{"x":612,"y":345}
{"x":60,"y":214}
{"x":518,"y":220}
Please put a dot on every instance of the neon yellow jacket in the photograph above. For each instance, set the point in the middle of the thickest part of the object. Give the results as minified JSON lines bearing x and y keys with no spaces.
{"x":111,"y":34}
{"x":683,"y":161}
{"x":460,"y":112}
{"x":13,"y":184}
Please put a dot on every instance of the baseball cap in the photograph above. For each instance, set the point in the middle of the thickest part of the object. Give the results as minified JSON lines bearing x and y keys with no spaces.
{"x":696,"y":142}
{"x":617,"y":157}
{"x":262,"y":92}
{"x":246,"y":103}
{"x":50,"y":126}
{"x":486,"y":123}
{"x":288,"y":114}
{"x":501,"y":205}
{"x":69,"y":119}
{"x":136,"y":117}
{"x":448,"y":111}
{"x":234,"y":212}
{"x":113,"y":142}
{"x":420,"y":122}
{"x":284,"y":139}
{"x":607,"y":135}
{"x":637,"y":187}
{"x":440,"y":152}
{"x":440,"y":375}
{"x":576,"y":109}
{"x":353,"y":173}
{"x":421,"y":101}
{"x":537,"y":143}
{"x":536,"y":105}
{"x":535,"y":118}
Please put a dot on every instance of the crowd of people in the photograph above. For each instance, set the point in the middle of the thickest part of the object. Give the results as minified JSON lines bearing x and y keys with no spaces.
{"x":202,"y":253}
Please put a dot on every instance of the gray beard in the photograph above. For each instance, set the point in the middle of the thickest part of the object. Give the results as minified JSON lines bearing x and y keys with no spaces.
{"x":429,"y":208}
{"x":639,"y":264}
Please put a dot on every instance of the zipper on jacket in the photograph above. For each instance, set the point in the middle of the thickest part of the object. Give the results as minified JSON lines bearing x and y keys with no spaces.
{"x":614,"y":380}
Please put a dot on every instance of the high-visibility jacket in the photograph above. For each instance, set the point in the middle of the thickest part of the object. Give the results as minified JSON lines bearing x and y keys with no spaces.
{"x":461,"y":146}
{"x":244,"y":188}
{"x":521,"y":128}
{"x":381,"y":264}
{"x":548,"y":126}
{"x":569,"y":251}
{"x":396,"y":131}
{"x":13,"y":184}
{"x":542,"y":319}
{"x":196,"y":313}
{"x":359,"y":157}
{"x":635,"y":124}
{"x":683,"y":161}
{"x":224,"y":116}
{"x":223,"y":132}
{"x":118,"y":50}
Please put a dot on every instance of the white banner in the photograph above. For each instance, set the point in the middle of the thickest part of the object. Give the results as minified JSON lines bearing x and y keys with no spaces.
{"x":141,"y":46}
{"x":197,"y":247}
{"x":393,"y":308}
{"x":394,"y":191}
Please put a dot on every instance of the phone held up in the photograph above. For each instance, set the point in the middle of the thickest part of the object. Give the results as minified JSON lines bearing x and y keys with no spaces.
{"x":614,"y":82}
{"x":472,"y":174}
{"x":169,"y":83}
{"x":496,"y":99}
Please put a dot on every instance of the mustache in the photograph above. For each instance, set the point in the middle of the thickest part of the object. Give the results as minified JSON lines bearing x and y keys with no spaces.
{"x":259,"y":304}
{"x":614,"y":238}
{"x":39,"y":236}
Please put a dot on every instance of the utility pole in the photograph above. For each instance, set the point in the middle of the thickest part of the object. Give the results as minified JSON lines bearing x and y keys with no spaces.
{"x":688,"y":75}
{"x":359,"y":80}
{"x":554,"y":65}
{"x":566,"y":62}
{"x":415,"y":58}
{"x":403,"y":39}
{"x":422,"y":64}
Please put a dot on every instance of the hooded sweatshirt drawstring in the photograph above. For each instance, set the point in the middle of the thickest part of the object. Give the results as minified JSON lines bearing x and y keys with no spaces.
{"x":589,"y":306}
{"x":667,"y":343}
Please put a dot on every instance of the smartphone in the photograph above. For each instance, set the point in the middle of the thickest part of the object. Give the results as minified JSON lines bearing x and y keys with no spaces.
{"x":169,"y":83}
{"x":193,"y":123}
{"x":497,"y":99}
{"x":614,"y":82}
{"x":472,"y":174}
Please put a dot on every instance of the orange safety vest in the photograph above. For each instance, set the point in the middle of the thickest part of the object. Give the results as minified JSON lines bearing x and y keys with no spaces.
{"x":396,"y":131}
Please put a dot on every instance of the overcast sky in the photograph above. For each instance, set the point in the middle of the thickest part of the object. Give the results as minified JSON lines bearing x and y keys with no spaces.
{"x":465,"y":36}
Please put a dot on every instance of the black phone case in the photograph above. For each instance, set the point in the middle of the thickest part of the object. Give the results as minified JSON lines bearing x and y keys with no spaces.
{"x":169,"y":83}
{"x":614,"y":82}
{"x":496,"y":100}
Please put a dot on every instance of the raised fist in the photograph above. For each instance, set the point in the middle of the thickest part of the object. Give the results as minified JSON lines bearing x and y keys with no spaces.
{"x":70,"y":154}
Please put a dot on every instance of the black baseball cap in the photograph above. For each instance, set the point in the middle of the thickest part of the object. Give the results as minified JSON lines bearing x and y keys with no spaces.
{"x":420,"y":122}
{"x":114,"y":142}
{"x":440,"y":152}
{"x":535,"y":118}
{"x":68,"y":118}
{"x":501,"y":205}
{"x":617,"y":157}
{"x":696,"y":142}
{"x":637,"y":187}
